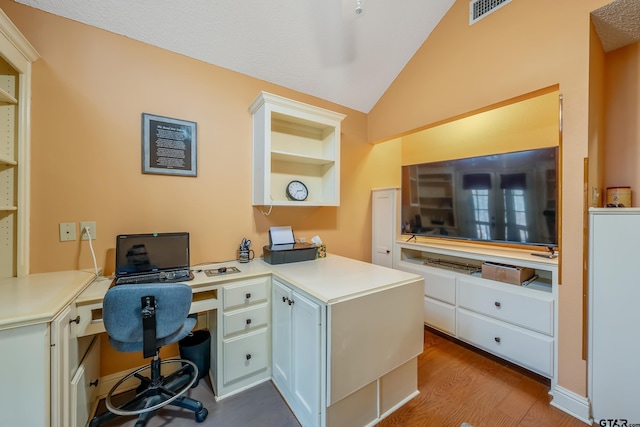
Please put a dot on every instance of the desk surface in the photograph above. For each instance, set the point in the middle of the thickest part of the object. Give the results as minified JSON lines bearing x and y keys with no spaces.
{"x":39,"y":297}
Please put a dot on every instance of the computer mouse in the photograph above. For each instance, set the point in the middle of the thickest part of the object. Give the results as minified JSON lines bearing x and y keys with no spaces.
{"x":222,"y":270}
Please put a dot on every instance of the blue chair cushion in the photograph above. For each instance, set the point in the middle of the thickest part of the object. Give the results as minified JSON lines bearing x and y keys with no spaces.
{"x":123,"y":320}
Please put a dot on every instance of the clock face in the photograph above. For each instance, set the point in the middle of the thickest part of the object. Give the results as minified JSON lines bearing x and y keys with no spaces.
{"x":297,"y":191}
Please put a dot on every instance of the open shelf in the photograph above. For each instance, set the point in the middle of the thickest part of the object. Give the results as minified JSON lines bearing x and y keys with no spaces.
{"x":294,"y":141}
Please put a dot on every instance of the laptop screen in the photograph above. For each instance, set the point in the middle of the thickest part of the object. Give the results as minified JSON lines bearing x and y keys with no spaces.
{"x":153,"y":252}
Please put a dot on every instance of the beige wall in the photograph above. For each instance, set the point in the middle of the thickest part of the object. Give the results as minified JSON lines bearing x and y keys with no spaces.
{"x":525,"y":46}
{"x":89,"y":90}
{"x":622,"y":88}
{"x":90,"y":87}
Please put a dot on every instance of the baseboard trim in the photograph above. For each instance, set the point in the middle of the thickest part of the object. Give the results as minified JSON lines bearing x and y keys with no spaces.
{"x":573,"y":404}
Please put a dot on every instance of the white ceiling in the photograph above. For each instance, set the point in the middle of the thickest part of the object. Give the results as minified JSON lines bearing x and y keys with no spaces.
{"x":318,"y":47}
{"x":617,"y":23}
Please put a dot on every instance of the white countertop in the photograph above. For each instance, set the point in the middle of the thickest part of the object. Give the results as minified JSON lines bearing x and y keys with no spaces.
{"x":38,"y":298}
{"x":335,"y":278}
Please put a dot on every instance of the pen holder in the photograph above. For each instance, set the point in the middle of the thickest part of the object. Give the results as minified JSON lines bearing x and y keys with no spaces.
{"x":322,"y":251}
{"x":245,"y":255}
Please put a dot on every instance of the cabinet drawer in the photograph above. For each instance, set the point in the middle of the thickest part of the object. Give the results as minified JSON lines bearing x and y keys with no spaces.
{"x":437,"y":284}
{"x":245,"y":355}
{"x":84,"y":386}
{"x":528,"y":349}
{"x":245,"y":293}
{"x":246,"y":320}
{"x":522,"y":307}
{"x":440,"y":315}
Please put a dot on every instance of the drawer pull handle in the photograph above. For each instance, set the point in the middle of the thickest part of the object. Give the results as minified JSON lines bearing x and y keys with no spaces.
{"x":497,"y":339}
{"x":248,"y":356}
{"x":76,"y":320}
{"x":248,"y":295}
{"x":497,"y":304}
{"x":284,"y":299}
{"x":291,"y":301}
{"x":248,"y":321}
{"x":94,"y":383}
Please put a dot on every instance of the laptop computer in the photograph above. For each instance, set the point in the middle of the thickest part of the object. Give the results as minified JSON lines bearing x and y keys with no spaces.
{"x":152,"y":257}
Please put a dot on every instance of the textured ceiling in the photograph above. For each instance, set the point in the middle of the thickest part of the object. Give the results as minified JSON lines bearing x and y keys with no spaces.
{"x":319,"y":47}
{"x":617,"y":24}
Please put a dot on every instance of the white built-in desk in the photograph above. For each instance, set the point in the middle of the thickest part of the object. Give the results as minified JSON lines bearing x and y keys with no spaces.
{"x":361,"y":322}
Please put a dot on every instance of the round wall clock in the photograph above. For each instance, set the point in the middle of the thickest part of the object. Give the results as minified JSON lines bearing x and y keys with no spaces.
{"x":296,"y":190}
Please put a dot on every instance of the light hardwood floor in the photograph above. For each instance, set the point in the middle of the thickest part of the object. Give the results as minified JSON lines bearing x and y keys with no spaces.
{"x":457,"y":384}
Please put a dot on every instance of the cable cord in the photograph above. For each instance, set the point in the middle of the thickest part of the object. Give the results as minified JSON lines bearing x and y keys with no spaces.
{"x":93,"y":254}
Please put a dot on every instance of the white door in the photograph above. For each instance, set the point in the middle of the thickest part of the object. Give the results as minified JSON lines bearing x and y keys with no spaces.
{"x":281,"y":335}
{"x":383,"y":208}
{"x":306,"y":359}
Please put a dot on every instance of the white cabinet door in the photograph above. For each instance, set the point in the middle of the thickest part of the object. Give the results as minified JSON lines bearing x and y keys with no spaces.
{"x":306,"y":359}
{"x":24,"y":387}
{"x":64,"y":361}
{"x":281,"y":335}
{"x":296,"y":347}
{"x":383,"y":211}
{"x":84,"y":386}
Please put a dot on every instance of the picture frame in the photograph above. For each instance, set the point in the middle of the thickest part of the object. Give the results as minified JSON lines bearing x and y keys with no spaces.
{"x":169,"y":146}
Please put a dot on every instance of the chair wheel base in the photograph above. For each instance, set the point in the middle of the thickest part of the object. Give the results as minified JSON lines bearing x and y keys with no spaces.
{"x":201,"y":415}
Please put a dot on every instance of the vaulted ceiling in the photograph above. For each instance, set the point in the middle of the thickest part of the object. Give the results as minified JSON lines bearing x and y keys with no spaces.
{"x":319,"y":47}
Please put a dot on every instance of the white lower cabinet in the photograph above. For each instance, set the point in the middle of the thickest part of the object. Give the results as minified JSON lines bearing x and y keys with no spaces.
{"x":296,"y":349}
{"x":614,"y":341}
{"x":509,"y":321}
{"x":241,"y":359}
{"x":75,"y":370}
{"x":521,"y":346}
{"x":439,"y":297}
{"x":64,"y":362}
{"x":25,"y":398}
{"x":84,"y":386}
{"x":513,"y":322}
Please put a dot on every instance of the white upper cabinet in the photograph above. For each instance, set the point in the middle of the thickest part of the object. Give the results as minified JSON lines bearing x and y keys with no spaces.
{"x":293,"y":141}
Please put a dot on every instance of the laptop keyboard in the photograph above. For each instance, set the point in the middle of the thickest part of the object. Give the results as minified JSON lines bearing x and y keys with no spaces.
{"x":162,"y":277}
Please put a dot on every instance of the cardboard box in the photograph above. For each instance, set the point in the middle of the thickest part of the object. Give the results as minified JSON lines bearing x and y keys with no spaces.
{"x":506,"y":273}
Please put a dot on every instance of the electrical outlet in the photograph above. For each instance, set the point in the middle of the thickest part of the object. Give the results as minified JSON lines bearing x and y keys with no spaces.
{"x":92,"y":230}
{"x":67,"y":231}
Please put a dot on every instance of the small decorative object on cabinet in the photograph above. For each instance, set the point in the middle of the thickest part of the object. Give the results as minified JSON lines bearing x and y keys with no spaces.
{"x":296,"y":190}
{"x":293,"y":141}
{"x":16,"y":56}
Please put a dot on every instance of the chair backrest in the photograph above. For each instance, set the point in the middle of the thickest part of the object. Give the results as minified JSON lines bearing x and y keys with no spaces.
{"x":121,"y":312}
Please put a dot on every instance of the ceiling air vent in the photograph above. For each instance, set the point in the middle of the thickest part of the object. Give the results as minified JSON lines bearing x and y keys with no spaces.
{"x":478,"y":9}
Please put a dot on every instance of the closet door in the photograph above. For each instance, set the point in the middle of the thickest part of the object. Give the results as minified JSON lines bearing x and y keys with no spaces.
{"x":384,"y":214}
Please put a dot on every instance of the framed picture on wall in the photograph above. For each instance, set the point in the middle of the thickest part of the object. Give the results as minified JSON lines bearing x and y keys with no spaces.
{"x":169,"y":146}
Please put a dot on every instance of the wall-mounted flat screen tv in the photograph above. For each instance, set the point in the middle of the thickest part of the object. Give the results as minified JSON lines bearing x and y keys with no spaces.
{"x":501,"y":198}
